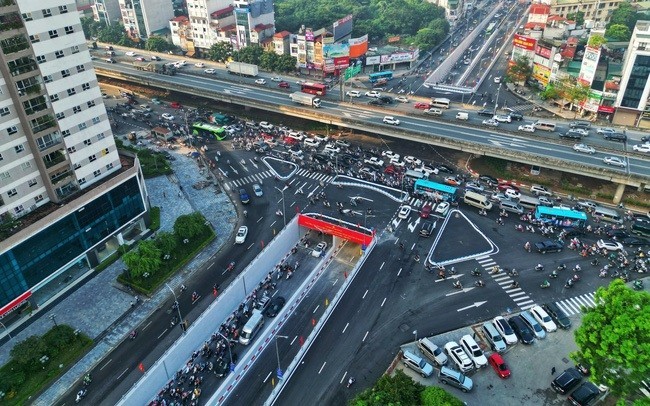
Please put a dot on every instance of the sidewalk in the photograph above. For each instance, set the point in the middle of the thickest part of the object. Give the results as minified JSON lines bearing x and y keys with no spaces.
{"x":101,"y":308}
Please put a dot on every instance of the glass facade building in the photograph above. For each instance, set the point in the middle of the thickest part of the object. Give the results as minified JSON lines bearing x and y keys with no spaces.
{"x":637,"y":82}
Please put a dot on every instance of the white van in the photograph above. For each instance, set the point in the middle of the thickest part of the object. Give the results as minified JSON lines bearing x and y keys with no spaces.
{"x":544,"y":126}
{"x":528,"y":202}
{"x":415,"y":174}
{"x":512,"y":207}
{"x":433,"y":111}
{"x":462,"y":115}
{"x":252,"y":327}
{"x":477,"y":200}
{"x":609,"y":215}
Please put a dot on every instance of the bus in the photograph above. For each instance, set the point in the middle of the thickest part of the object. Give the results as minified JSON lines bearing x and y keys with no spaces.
{"x":385,"y":75}
{"x":641,"y":226}
{"x":490,"y":28}
{"x":440,"y":103}
{"x":209,"y":130}
{"x":435,"y":190}
{"x":560,"y":216}
{"x":318,"y":89}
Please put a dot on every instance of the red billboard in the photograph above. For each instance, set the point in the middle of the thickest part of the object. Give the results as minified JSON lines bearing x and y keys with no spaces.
{"x":342,"y":62}
{"x":543,"y":52}
{"x":335,"y":230}
{"x":14,"y":304}
{"x":524,"y":42}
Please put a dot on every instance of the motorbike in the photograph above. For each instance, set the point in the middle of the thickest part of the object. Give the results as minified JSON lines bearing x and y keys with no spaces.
{"x":289,"y":274}
{"x":577,"y":268}
{"x":278,"y":213}
{"x":595,"y":262}
{"x":576,"y":277}
{"x":520,"y":228}
{"x":457,"y":285}
{"x":482,"y":212}
{"x":133,"y":334}
{"x":476,"y":272}
{"x":514,"y":285}
{"x":561,"y":267}
{"x":351,"y":381}
{"x":80,"y":395}
{"x":527,"y":247}
{"x":553,"y":275}
{"x":87,"y":379}
{"x":513,"y":273}
{"x":539,"y":267}
{"x":495,"y":270}
{"x":231,"y":266}
{"x":545,"y":284}
{"x":568,"y":284}
{"x":479,"y":284}
{"x":638,"y":285}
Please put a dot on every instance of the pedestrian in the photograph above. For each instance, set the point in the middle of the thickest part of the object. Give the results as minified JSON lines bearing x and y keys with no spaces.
{"x":553,"y":371}
{"x":164,"y":195}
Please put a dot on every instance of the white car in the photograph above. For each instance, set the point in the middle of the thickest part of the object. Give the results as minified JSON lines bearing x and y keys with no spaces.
{"x":199,"y":65}
{"x":260,"y":81}
{"x":276,"y":79}
{"x":505,"y":330}
{"x":527,"y":128}
{"x":413,"y":160}
{"x":331,"y":149}
{"x":584,"y":148}
{"x":373,"y":93}
{"x":391,"y":120}
{"x":497,"y":79}
{"x":374,"y":161}
{"x":502,"y":118}
{"x":343,"y":143}
{"x":167,"y":116}
{"x":614,"y":160}
{"x":543,"y":319}
{"x":581,"y":131}
{"x":404,"y":212}
{"x":642,"y":147}
{"x":180,"y":64}
{"x":310,"y":142}
{"x":257,"y":189}
{"x":605,"y":130}
{"x":321,"y":137}
{"x":130,"y":53}
{"x":396,"y":162}
{"x":609,"y":245}
{"x":353,"y":93}
{"x":442,"y":208}
{"x":458,"y":356}
{"x":241,"y":235}
{"x":390,"y":155}
{"x":265,"y":125}
{"x":512,"y":194}
{"x":473,"y":350}
{"x":210,"y":71}
{"x":491,"y":122}
{"x":319,"y":251}
{"x":402,"y":99}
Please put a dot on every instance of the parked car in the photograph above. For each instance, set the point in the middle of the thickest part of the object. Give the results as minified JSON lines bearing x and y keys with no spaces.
{"x":506,"y":331}
{"x":276,"y":305}
{"x":454,"y":378}
{"x":521,"y":329}
{"x":432,"y":351}
{"x":559,"y":317}
{"x":472,"y":349}
{"x":458,"y":356}
{"x":584,"y":395}
{"x":499,"y":365}
{"x":566,"y":381}
{"x":543,"y":319}
{"x":417,"y":364}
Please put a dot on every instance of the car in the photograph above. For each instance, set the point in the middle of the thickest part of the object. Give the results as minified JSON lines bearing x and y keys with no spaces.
{"x":444,"y":168}
{"x":615,"y":136}
{"x":584,"y":148}
{"x":140,"y":59}
{"x":156,"y":58}
{"x":567,"y":380}
{"x":265,"y":125}
{"x":199,"y":65}
{"x":641,"y":147}
{"x":241,"y":235}
{"x":497,"y":79}
{"x":584,"y":395}
{"x":458,"y":356}
{"x":499,"y":365}
{"x":284,"y":85}
{"x":276,"y":305}
{"x":413,"y":160}
{"x":502,"y":118}
{"x":433,"y":112}
{"x":609,"y":245}
{"x":472,"y":349}
{"x":421,"y":105}
{"x":243,"y":196}
{"x":490,"y":180}
{"x":586,"y":205}
{"x":390,"y":154}
{"x":130,"y":53}
{"x":442,"y":208}
{"x":374,"y":161}
{"x":342,"y":143}
{"x":375,"y":102}
{"x":486,"y":112}
{"x":402,"y":99}
{"x":426,"y":210}
{"x":257,"y":190}
{"x":260,"y":81}
{"x":181,"y":63}
{"x":222,"y":368}
{"x":490,"y":122}
{"x":319,"y":250}
{"x":571,"y":134}
{"x":634,"y":241}
{"x":452,"y":180}
{"x":390,"y":120}
{"x":386,"y":99}
{"x":582,"y":131}
{"x":426,"y":170}
{"x":522,"y":330}
{"x":527,"y":128}
{"x":276,"y":79}
{"x":416,"y":363}
{"x":373,"y":93}
{"x":367,"y":171}
{"x":110,"y":60}
{"x":559,"y":317}
{"x":503,"y":327}
{"x":210,"y":71}
{"x":514,"y":116}
{"x":543,"y":319}
{"x":474,"y":187}
{"x":617,"y":233}
{"x":539,"y":190}
{"x":499,"y":197}
{"x":452,"y":377}
{"x":167,"y":116}
{"x":432,"y":351}
{"x":175,"y":105}
{"x":548,"y":246}
{"x":404,"y":212}
{"x":605,"y":130}
{"x":333,"y":149}
{"x":353,"y":93}
{"x":512,"y":193}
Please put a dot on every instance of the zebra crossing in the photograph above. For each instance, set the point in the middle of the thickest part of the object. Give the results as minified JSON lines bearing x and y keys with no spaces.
{"x":504,"y":281}
{"x":573,"y":305}
{"x":260,"y":176}
{"x":317,"y":176}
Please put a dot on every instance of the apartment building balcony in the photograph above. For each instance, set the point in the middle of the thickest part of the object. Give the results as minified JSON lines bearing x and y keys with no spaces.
{"x":11,"y":21}
{"x":14,"y":44}
{"x":22,"y":66}
{"x":42,"y":123}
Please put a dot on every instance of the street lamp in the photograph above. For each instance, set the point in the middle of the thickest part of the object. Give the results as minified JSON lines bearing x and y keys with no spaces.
{"x":53,"y":318}
{"x":178,"y":306}
{"x":232,"y":364}
{"x":284,"y":207}
{"x":277,"y":354}
{"x":496,"y":105}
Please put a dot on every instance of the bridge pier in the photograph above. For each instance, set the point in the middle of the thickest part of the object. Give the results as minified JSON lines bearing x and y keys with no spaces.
{"x":618,"y":196}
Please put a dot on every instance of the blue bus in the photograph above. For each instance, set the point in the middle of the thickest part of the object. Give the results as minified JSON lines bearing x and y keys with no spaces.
{"x":435,"y":190}
{"x":559,"y":216}
{"x":386,"y":75}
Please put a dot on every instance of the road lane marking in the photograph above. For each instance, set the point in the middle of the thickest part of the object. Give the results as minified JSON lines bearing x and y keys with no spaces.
{"x":345,"y":328}
{"x":107,"y":362}
{"x":315,"y":310}
{"x":384,"y":301}
{"x":294,"y":339}
{"x":162,"y":334}
{"x":147,"y":325}
{"x":260,"y":219}
{"x":382,"y":265}
{"x":365,"y":336}
{"x":364,"y":294}
{"x":321,"y":368}
{"x":120,"y":376}
{"x":266,"y":378}
{"x":250,"y":246}
{"x":335,"y":281}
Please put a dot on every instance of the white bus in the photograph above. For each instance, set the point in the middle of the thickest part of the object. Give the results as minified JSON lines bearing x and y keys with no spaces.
{"x":440,"y":103}
{"x":251,"y":328}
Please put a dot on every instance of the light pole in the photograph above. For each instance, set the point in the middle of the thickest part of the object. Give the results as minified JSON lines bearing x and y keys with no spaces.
{"x":232,"y":364}
{"x":277,"y":354}
{"x":496,"y":104}
{"x":178,"y":306}
{"x":5,"y":327}
{"x":53,"y":318}
{"x":415,"y":333}
{"x":284,"y":207}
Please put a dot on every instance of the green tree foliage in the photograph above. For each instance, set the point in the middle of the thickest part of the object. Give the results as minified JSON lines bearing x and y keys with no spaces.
{"x":435,"y":396}
{"x":520,"y":71}
{"x":91,"y":27}
{"x":625,"y":14}
{"x":166,"y":242}
{"x":145,"y":259}
{"x":398,"y":389}
{"x":618,"y":32}
{"x":596,"y":41}
{"x":550,"y":93}
{"x":578,"y":17}
{"x":427,"y":38}
{"x":189,"y":226}
{"x":614,"y":338}
{"x":58,"y":338}
{"x":286,"y":63}
{"x":269,"y":60}
{"x":220,"y":52}
{"x":158,"y":44}
{"x":29,"y":352}
{"x":111,"y":34}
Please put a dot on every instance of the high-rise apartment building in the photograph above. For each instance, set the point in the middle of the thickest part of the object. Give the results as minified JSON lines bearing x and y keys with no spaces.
{"x":255,"y":22}
{"x":596,"y":12}
{"x":64,"y":190}
{"x":632,"y":103}
{"x":142,"y":18}
{"x":107,"y":11}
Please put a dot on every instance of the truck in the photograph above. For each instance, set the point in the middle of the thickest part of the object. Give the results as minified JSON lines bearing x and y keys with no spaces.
{"x":155,"y":67}
{"x":306,"y":99}
{"x":243,"y":69}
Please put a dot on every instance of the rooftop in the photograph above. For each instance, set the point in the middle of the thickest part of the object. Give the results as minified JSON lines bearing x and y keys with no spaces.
{"x":262,"y":27}
{"x":282,"y":34}
{"x":540,"y":9}
{"x":223,"y":12}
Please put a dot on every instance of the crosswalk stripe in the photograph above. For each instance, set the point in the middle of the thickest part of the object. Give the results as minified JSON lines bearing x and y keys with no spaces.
{"x":526,"y":302}
{"x":513,"y":295}
{"x":570,"y":308}
{"x":528,"y":306}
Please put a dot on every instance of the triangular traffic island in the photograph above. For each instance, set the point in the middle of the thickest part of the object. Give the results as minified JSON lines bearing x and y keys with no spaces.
{"x":459,"y":240}
{"x":281,"y":169}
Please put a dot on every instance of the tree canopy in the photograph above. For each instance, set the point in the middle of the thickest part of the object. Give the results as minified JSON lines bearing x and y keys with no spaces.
{"x":520,"y":71}
{"x":614,"y":338}
{"x":159,"y":44}
{"x":626,"y":14}
{"x":618,"y":32}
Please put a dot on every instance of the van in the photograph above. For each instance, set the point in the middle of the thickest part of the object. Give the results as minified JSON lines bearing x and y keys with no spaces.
{"x":432,"y":351}
{"x":461,"y":115}
{"x":427,"y":229}
{"x":252,"y":327}
{"x":433,"y":111}
{"x":528,"y":202}
{"x":537,"y":330}
{"x":493,"y":337}
{"x":609,"y":215}
{"x":512,"y":207}
{"x":414,"y":174}
{"x":477,"y":200}
{"x":417,"y":364}
{"x":585,"y":125}
{"x":544,"y":126}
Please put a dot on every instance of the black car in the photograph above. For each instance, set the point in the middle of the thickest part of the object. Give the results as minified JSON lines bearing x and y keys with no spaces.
{"x":276,"y":305}
{"x":514,"y":116}
{"x":566,"y":381}
{"x":492,"y":181}
{"x":617,"y":233}
{"x":386,"y":99}
{"x":559,"y":317}
{"x":444,"y":168}
{"x":375,"y":102}
{"x":548,"y":246}
{"x":574,"y":232}
{"x":584,"y":395}
{"x":486,"y":112}
{"x":521,"y":330}
{"x":321,"y":157}
{"x":615,"y":137}
{"x":633,"y":241}
{"x":571,"y":134}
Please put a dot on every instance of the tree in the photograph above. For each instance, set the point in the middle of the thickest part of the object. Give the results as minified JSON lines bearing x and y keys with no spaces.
{"x":111,"y":34}
{"x":220,"y":52}
{"x":189,"y":226}
{"x":286,"y":63}
{"x":614,"y":338}
{"x":158,"y":44}
{"x":251,"y":54}
{"x":269,"y":60}
{"x":578,"y":17}
{"x":626,"y":14}
{"x":618,"y":32}
{"x":398,"y":389}
{"x":520,"y":71}
{"x":596,"y":41}
{"x":91,"y":28}
{"x":145,"y":260}
{"x":28,"y":352}
{"x":427,"y":38}
{"x":166,"y":242}
{"x":435,"y":396}
{"x":551,"y":92}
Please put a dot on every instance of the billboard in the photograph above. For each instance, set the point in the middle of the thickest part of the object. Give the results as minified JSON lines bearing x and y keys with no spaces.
{"x":373,"y":60}
{"x":336,"y":50}
{"x":543,"y":51}
{"x":589,"y":65}
{"x":400,"y":57}
{"x":541,"y":73}
{"x":342,"y":62}
{"x":342,"y":28}
{"x":523,"y":42}
{"x":334,"y":229}
{"x":309,"y":36}
{"x":358,"y":46}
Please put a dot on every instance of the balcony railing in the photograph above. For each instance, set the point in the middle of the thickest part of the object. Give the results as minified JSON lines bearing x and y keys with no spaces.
{"x":58,"y":177}
{"x":11,"y":21}
{"x":5,"y":3}
{"x":21,"y":66}
{"x":48,"y":141}
{"x":54,"y":158}
{"x":14,"y":44}
{"x":42,"y":123}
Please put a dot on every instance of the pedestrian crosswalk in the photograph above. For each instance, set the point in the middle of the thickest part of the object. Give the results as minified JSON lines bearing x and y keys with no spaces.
{"x":317,"y":176}
{"x":517,"y":294}
{"x":574,"y":305}
{"x":260,"y":176}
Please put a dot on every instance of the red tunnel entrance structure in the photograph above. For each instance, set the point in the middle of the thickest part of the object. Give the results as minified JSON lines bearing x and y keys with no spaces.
{"x":336,"y":230}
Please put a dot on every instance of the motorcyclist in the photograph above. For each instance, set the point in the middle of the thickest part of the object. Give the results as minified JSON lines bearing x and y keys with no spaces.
{"x":527,"y":246}
{"x":457,"y":285}
{"x":546,"y":283}
{"x":80,"y":395}
{"x":577,"y":268}
{"x":245,"y":213}
{"x":351,"y":381}
{"x":539,"y":267}
{"x":480,"y":283}
{"x":553,"y":274}
{"x":514,"y":284}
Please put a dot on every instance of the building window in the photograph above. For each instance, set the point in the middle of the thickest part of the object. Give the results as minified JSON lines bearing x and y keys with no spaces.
{"x":47,"y":12}
{"x":34,"y":38}
{"x":59,"y":54}
{"x":72,"y":149}
{"x":96,"y":120}
{"x":109,"y":166}
{"x":63,"y":9}
{"x":53,"y":33}
{"x":77,"y":166}
{"x":105,"y":151}
{"x":5,"y":176}
{"x":82,"y":181}
{"x":26,"y":166}
{"x":60,"y":116}
{"x":97,"y":172}
{"x":100,"y":136}
{"x":91,"y":104}
{"x":87,"y":142}
{"x":4,"y":111}
{"x":76,"y":109}
{"x":41,"y":58}
{"x":85,"y":86}
{"x":69,"y":29}
{"x":75,"y":49}
{"x":65,"y":73}
{"x":12,"y":130}
{"x":19,"y":209}
{"x":71,"y":91}
{"x":32,"y":182}
{"x":38,"y":198}
{"x":65,"y":133}
{"x":19,"y":148}
{"x":92,"y":158}
{"x":27,"y":16}
{"x":47,"y":78}
{"x":54,"y":97}
{"x":12,"y":193}
{"x":80,"y":68}
{"x":82,"y":126}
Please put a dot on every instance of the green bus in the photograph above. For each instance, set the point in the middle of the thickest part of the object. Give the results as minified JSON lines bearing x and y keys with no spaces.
{"x":490,"y":28}
{"x":209,"y":130}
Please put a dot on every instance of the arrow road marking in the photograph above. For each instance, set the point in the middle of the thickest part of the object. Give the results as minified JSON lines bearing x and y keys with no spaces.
{"x":464,"y":290}
{"x":412,"y":226}
{"x":449,"y":277}
{"x":476,"y":304}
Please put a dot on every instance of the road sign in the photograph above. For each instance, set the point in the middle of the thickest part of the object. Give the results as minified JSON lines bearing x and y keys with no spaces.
{"x":351,"y":72}
{"x":232,"y":367}
{"x":279,"y":373}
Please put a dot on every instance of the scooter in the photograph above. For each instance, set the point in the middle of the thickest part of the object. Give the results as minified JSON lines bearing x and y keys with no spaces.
{"x":545,"y":284}
{"x":539,"y":267}
{"x":568,"y":284}
{"x":80,"y":395}
{"x":553,"y":275}
{"x":513,"y":273}
{"x":133,"y":334}
{"x":479,"y":284}
{"x":457,"y":285}
{"x":476,"y":272}
{"x":351,"y":381}
{"x":638,"y":285}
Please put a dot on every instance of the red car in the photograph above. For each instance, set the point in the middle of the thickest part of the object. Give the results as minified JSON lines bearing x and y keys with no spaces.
{"x":499,"y":365}
{"x":139,"y":58}
{"x":505,"y":186}
{"x":426,"y":211}
{"x":422,"y":106}
{"x":284,"y":85}
{"x":176,"y":105}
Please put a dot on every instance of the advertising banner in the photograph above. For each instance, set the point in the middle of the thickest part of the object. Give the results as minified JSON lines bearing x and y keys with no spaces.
{"x":401,"y":57}
{"x":336,"y":50}
{"x":341,"y":62}
{"x":373,"y":60}
{"x":342,"y":28}
{"x":589,"y":65}
{"x":542,"y":51}
{"x":333,"y":229}
{"x":606,"y":109}
{"x":523,"y":42}
{"x":542,"y":74}
{"x":358,"y":46}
